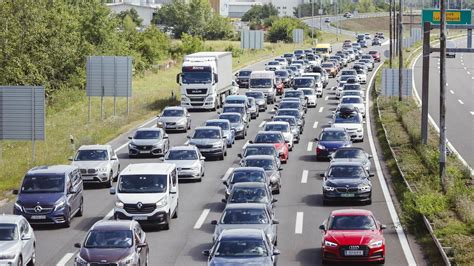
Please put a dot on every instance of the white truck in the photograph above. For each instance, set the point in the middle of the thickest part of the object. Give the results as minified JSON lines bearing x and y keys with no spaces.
{"x":205,"y":80}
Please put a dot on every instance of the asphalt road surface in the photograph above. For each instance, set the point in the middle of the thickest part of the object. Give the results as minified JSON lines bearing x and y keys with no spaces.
{"x":299,"y":207}
{"x":459,"y":98}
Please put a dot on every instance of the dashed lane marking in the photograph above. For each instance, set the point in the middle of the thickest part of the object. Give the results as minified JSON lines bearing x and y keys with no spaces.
{"x":65,"y":259}
{"x":461,"y":102}
{"x":304,"y":177}
{"x":261,"y":124}
{"x":299,"y":223}
{"x":310,"y":146}
{"x":321,"y":109}
{"x":315,"y":125}
{"x":451,"y":91}
{"x":201,"y":219}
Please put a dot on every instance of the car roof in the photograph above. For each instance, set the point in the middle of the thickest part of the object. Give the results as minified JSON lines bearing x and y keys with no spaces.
{"x":234,"y":105}
{"x":52,"y":169}
{"x":268,"y":132}
{"x":350,"y":212}
{"x":148,"y":168}
{"x":230,"y":113}
{"x":277,"y":123}
{"x":150,"y":129}
{"x":326,"y":129}
{"x":241,"y":233}
{"x":10,"y":218}
{"x":260,"y":157}
{"x":248,"y":168}
{"x":108,"y":225}
{"x":207,"y":127}
{"x":236,"y":97}
{"x":260,"y":144}
{"x":249,"y":184}
{"x":350,"y":148}
{"x":174,"y":108}
{"x":94,"y":147}
{"x":218,"y":121}
{"x":187,"y":147}
{"x":284,"y":116}
{"x":340,"y":163}
{"x":246,"y":206}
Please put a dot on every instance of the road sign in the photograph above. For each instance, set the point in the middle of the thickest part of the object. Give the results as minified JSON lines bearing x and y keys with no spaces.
{"x":390,"y":82}
{"x":320,"y":11}
{"x":453,"y":16}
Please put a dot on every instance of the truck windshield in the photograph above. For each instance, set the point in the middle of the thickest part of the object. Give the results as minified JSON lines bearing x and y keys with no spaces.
{"x":260,"y":83}
{"x":196,"y":77}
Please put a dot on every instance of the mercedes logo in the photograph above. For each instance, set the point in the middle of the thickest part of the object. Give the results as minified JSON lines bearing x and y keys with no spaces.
{"x":139,"y":205}
{"x":38,"y":208}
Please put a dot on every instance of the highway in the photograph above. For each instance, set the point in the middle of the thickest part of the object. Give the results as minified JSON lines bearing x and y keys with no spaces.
{"x":299,"y":208}
{"x":327,"y":26}
{"x":459,"y":98}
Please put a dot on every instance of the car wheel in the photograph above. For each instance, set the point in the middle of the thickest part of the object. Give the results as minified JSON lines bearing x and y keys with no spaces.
{"x":20,"y":261}
{"x":222,"y":157}
{"x":166,"y":226}
{"x":109,"y":182}
{"x":225,"y":152}
{"x":146,"y":262}
{"x":80,"y":212}
{"x":291,"y":148}
{"x":118,"y":172}
{"x":276,"y":241}
{"x":189,"y":125}
{"x":67,"y":220}
{"x":175,"y":215}
{"x":369,"y":202}
{"x":276,"y":192}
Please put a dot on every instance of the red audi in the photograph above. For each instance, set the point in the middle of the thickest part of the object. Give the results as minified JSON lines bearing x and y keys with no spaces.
{"x":352,"y":235}
{"x":276,"y":138}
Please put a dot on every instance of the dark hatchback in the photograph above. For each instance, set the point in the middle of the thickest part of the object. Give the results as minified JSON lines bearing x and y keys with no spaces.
{"x":242,"y":78}
{"x":50,"y":195}
{"x":329,"y":140}
{"x":114,"y":243}
{"x":347,"y":181}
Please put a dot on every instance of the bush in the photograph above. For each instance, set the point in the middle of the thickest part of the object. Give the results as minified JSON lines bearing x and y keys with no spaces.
{"x":191,"y":44}
{"x":236,"y":52}
{"x":282,"y":29}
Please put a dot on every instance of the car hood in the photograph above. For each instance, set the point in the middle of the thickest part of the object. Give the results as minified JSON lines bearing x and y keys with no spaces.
{"x":260,"y":261}
{"x":235,"y":125}
{"x":146,"y":141}
{"x":145,"y":198}
{"x":345,"y":182}
{"x":31,"y":200}
{"x":90,"y":164}
{"x":260,"y":101}
{"x":203,"y":141}
{"x":362,"y":237}
{"x":183,"y":163}
{"x":332,"y":144}
{"x":105,"y":255}
{"x":9,"y":247}
{"x":171,"y":119}
{"x":356,"y":160}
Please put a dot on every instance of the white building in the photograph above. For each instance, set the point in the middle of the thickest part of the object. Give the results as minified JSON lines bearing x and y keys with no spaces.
{"x":237,"y":8}
{"x":144,"y":8}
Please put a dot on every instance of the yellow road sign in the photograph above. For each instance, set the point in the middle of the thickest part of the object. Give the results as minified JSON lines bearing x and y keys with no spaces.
{"x":450,"y":16}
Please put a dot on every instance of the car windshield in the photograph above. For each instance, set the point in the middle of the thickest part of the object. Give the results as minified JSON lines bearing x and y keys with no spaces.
{"x":238,"y":101}
{"x":345,"y":78}
{"x":349,"y":93}
{"x":233,"y":109}
{"x":241,"y":248}
{"x":373,"y":52}
{"x":206,"y":134}
{"x":43,"y":184}
{"x":109,"y":239}
{"x":347,"y":72}
{"x":268,"y":138}
{"x":182,"y":155}
{"x":273,"y":63}
{"x":260,"y":83}
{"x":333,"y":136}
{"x":307,"y":92}
{"x":327,"y":65}
{"x":282,"y":74}
{"x":294,"y":113}
{"x":351,"y":87}
{"x":247,"y":176}
{"x":223,"y":125}
{"x":255,"y":95}
{"x":352,"y":222}
{"x":303,"y":82}
{"x":266,"y":164}
{"x":244,"y":73}
{"x":351,"y":100}
{"x":352,"y":117}
{"x":293,"y":68}
{"x":248,"y":195}
{"x":292,"y":94}
{"x":173,"y":113}
{"x":346,"y":171}
{"x":269,"y":150}
{"x":244,"y":216}
{"x":231,"y":118}
{"x":91,"y":155}
{"x":288,"y":55}
{"x":142,"y":183}
{"x":349,"y":153}
{"x":289,"y":105}
{"x":8,"y":232}
{"x":291,"y":120}
{"x":147,"y":134}
{"x":277,"y":127}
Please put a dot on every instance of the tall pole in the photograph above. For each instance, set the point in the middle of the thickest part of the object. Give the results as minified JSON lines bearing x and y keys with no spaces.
{"x":400,"y":52}
{"x":320,"y":15}
{"x":425,"y":82}
{"x":312,"y":21}
{"x":391,"y":36}
{"x":442,"y":97}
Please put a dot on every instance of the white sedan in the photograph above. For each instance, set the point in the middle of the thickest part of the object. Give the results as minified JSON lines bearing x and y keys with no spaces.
{"x":356,"y":101}
{"x":17,"y":241}
{"x":310,"y":96}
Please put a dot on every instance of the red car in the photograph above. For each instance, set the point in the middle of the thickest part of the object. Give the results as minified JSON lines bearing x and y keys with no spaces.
{"x":276,"y":138}
{"x":375,"y":55}
{"x":352,"y":235}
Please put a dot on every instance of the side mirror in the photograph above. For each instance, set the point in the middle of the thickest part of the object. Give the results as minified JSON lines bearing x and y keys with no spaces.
{"x":112,"y":191}
{"x":26,"y":237}
{"x":382,"y":226}
{"x":166,"y":136}
{"x":216,"y":78}
{"x":280,"y":168}
{"x":70,"y":159}
{"x":274,"y":200}
{"x":72,"y":191}
{"x":188,"y":115}
{"x":225,"y":183}
{"x":239,"y":155}
{"x":178,"y":76}
{"x":321,"y":175}
{"x":316,"y":139}
{"x":114,"y":158}
{"x":251,"y":141}
{"x":173,"y":190}
{"x":370,"y":156}
{"x":142,"y":245}
{"x":330,"y":122}
{"x":224,"y":201}
{"x":77,"y":245}
{"x":274,"y":221}
{"x":276,"y":252}
{"x":322,"y":227}
{"x":206,"y":253}
{"x":203,"y":158}
{"x":15,"y":192}
{"x":371,"y":175}
{"x":214,"y":222}
{"x":188,"y":137}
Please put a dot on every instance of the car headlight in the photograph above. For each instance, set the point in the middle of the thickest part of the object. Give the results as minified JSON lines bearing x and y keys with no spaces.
{"x":119,"y":204}
{"x":80,"y":261}
{"x":359,"y":130}
{"x":321,"y":147}
{"x":60,"y":204}
{"x":131,"y":145}
{"x":128,"y":260}
{"x":7,"y":256}
{"x":330,"y":244}
{"x":376,"y":244}
{"x":328,"y":188}
{"x":157,"y":145}
{"x":240,"y":127}
{"x":162,"y":202}
{"x":18,"y":206}
{"x":365,"y":188}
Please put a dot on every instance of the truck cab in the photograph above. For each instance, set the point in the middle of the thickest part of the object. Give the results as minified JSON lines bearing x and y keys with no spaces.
{"x":264,"y":81}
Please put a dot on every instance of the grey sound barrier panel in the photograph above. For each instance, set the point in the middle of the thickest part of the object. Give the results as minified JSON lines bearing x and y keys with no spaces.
{"x":22,"y":113}
{"x":298,"y":36}
{"x":251,"y":39}
{"x":109,"y":76}
{"x":390,"y":82}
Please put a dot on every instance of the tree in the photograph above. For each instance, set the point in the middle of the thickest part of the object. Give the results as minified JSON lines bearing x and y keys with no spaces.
{"x":258,"y":13}
{"x":282,"y":29}
{"x":133,"y":14}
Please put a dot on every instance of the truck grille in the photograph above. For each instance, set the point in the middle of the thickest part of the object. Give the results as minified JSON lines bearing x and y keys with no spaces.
{"x":196,"y":91}
{"x":134,"y":209}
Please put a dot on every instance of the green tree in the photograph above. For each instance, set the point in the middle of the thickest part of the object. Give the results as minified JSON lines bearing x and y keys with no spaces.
{"x":282,"y":29}
{"x":133,"y":14}
{"x":365,"y":6}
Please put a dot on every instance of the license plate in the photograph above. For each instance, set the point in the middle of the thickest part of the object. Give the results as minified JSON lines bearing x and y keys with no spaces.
{"x":347,"y":195}
{"x":38,"y":217}
{"x":144,"y":151}
{"x":354,"y":253}
{"x":140,"y":218}
{"x":87,"y":177}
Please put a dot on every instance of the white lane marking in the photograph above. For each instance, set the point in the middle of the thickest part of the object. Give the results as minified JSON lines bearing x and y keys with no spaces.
{"x":227,"y":173}
{"x":299,"y":223}
{"x":201,"y":218}
{"x":315,"y":125}
{"x":321,"y":109}
{"x":472,"y":113}
{"x":310,"y":146}
{"x":472,"y":77}
{"x":121,"y":147}
{"x":461,"y":102}
{"x":391,"y":208}
{"x":65,"y":259}
{"x":245,"y":145}
{"x":446,"y":84}
{"x":304,"y":177}
{"x":451,"y":91}
{"x":109,"y":215}
{"x":326,"y":98}
{"x":465,"y":68}
{"x":469,"y":73}
{"x":147,"y":122}
{"x":261,"y":124}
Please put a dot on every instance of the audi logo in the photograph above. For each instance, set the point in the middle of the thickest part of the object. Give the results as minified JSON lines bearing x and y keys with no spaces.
{"x":353,"y":247}
{"x":38,"y":208}
{"x":139,"y":205}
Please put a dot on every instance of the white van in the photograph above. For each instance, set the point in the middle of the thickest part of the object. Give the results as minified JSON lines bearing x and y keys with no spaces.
{"x":450,"y":45}
{"x":147,"y":193}
{"x":264,"y":81}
